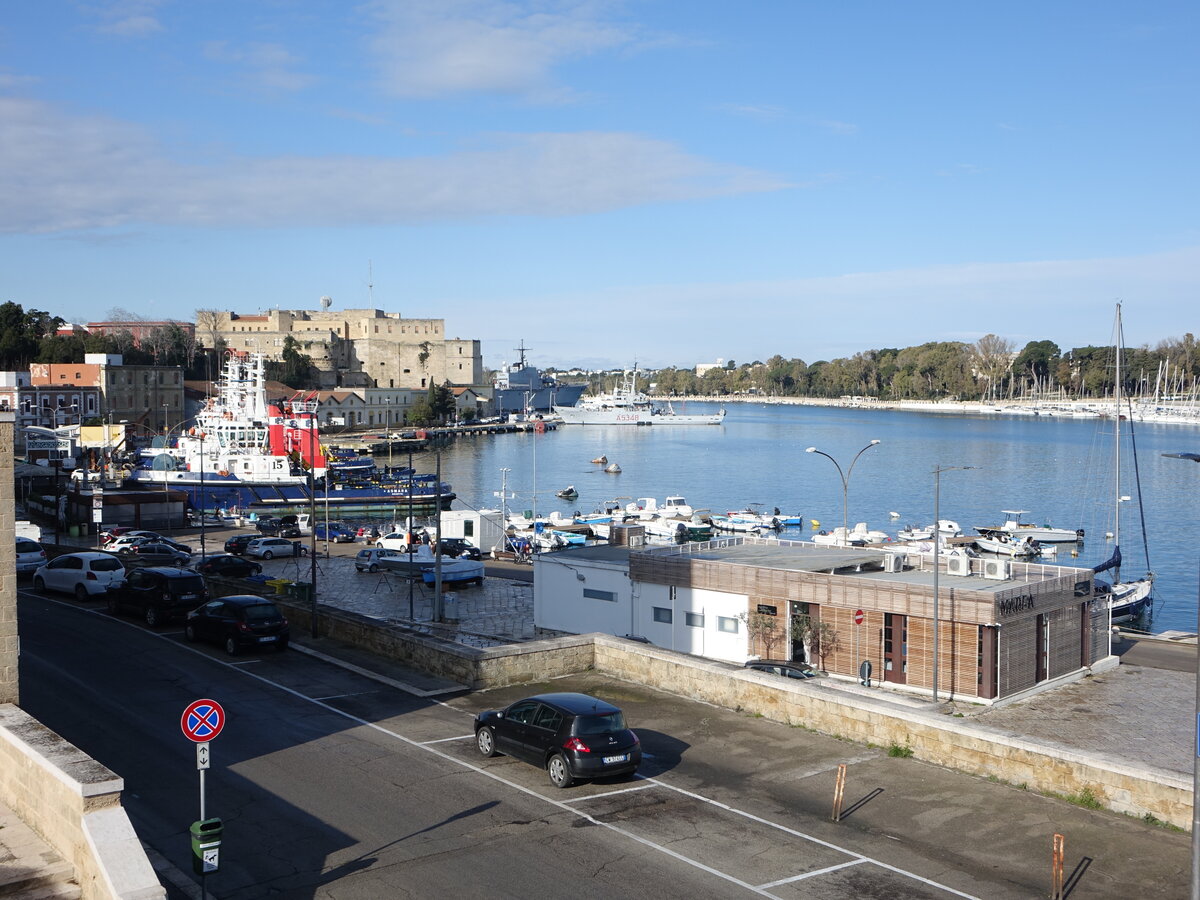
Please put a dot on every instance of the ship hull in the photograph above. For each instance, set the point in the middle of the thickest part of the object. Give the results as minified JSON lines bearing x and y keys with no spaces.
{"x":574,"y":415}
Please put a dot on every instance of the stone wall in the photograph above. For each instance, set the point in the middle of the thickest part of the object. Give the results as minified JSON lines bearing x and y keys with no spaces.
{"x":9,"y":688}
{"x":74,"y":805}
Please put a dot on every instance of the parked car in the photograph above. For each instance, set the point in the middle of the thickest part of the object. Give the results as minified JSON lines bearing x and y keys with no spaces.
{"x":571,"y":736}
{"x":238,"y":622}
{"x":227,"y":565}
{"x":237,"y":544}
{"x":128,"y":535}
{"x":456,"y":547}
{"x":397,"y":540}
{"x":159,"y":594}
{"x":784,"y":668}
{"x":336,"y":532}
{"x":88,"y":574}
{"x":270,"y":547}
{"x":284,"y":526}
{"x":30,"y":556}
{"x":368,"y":560}
{"x":156,"y":553}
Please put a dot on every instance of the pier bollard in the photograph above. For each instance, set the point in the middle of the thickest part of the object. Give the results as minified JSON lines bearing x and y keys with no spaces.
{"x":1056,"y":868}
{"x":838,"y":793}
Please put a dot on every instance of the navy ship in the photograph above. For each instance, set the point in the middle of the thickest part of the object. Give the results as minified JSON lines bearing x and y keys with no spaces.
{"x":522,"y":388}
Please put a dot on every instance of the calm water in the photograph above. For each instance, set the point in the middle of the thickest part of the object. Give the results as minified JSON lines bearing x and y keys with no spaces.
{"x":1061,"y":470}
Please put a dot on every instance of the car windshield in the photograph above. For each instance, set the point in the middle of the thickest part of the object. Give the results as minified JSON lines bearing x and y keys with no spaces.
{"x":106,"y":564}
{"x":600,"y":724}
{"x":261,"y":612}
{"x":191,"y":584}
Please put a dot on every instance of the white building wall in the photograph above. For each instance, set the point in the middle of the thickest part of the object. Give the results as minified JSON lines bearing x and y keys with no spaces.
{"x":710,"y":610}
{"x":482,"y":527}
{"x":581,"y":596}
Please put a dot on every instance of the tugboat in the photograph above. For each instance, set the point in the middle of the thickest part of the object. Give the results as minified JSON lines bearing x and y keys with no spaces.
{"x":246,"y":453}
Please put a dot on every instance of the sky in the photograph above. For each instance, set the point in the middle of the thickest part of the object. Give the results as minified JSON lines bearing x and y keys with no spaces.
{"x":663,"y":183}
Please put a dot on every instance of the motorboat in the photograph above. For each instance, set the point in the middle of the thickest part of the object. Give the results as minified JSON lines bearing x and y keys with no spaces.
{"x":676,"y":506}
{"x":1003,"y":545}
{"x":725,"y":523}
{"x":946,"y":528}
{"x":1043,"y":534}
{"x":839,"y":537}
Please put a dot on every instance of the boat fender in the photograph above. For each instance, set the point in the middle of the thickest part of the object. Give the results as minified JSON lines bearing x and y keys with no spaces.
{"x":223,"y":473}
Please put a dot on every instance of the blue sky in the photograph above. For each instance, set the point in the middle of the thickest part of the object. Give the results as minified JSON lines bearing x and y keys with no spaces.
{"x":662,"y":182}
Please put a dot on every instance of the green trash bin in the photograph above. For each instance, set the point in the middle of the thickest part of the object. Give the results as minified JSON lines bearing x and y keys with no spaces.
{"x":302,"y":591}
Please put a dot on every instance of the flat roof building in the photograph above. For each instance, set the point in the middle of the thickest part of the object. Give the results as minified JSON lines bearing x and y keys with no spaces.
{"x":1003,"y":627}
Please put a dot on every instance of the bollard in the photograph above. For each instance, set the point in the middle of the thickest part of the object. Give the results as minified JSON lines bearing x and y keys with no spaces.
{"x":1056,"y":869}
{"x":838,"y":791}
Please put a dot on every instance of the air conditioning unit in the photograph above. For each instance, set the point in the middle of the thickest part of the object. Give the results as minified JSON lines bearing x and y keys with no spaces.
{"x":996,"y":569}
{"x":958,"y":565}
{"x":894,"y":562}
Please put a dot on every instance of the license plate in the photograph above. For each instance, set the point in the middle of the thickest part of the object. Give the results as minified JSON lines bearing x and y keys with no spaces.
{"x":187,"y":596}
{"x":616,"y":759}
{"x":266,"y":640}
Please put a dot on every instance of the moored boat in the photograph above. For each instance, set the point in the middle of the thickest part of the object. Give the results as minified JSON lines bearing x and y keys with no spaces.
{"x":1043,"y":534}
{"x":626,"y":405}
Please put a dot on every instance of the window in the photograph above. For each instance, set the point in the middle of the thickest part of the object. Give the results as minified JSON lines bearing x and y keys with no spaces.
{"x":693,"y":620}
{"x":591,"y":594}
{"x":765,"y":610}
{"x":468,"y":528}
{"x":548,"y":718}
{"x":662,"y":614}
{"x":727,"y":624}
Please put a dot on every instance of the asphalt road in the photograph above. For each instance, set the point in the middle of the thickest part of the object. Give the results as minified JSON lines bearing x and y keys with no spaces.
{"x":1158,"y":654}
{"x":333,"y":785}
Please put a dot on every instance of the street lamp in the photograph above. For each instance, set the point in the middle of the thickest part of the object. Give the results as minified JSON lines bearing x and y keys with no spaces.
{"x":845,"y":476}
{"x":1195,"y":457}
{"x":937,"y":543}
{"x":58,"y":461}
{"x":387,"y":431}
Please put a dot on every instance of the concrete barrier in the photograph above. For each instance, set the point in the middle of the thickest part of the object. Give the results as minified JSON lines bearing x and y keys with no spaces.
{"x":74,"y":804}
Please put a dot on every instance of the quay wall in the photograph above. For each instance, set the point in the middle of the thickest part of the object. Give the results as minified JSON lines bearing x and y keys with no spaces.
{"x":954,"y":743}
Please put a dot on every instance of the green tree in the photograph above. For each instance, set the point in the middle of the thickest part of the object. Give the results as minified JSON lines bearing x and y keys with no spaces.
{"x":21,"y":334}
{"x":295,"y":369}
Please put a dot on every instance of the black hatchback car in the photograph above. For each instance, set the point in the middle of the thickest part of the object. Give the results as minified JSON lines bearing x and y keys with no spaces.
{"x":237,"y":623}
{"x":460,"y":547}
{"x":571,"y":736}
{"x":159,"y":594}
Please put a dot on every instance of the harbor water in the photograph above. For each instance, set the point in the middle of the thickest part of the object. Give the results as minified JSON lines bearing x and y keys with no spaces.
{"x":1061,"y":470}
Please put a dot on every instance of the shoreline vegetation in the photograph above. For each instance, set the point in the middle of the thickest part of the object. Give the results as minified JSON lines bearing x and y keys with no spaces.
{"x":1162,"y":413}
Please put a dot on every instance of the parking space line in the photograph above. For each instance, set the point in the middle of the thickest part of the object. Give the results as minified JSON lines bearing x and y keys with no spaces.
{"x":461,"y":737}
{"x":340,"y":696}
{"x":640,"y":787}
{"x":824,"y":871}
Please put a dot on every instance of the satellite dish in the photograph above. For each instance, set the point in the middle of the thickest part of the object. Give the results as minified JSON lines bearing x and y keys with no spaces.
{"x":326,"y":302}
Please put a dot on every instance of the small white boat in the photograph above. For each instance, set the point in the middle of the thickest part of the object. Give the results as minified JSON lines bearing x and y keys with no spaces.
{"x":1003,"y":545}
{"x":1045,"y":534}
{"x":839,"y":538}
{"x":725,"y":523}
{"x":946,"y":528}
{"x":676,"y":506}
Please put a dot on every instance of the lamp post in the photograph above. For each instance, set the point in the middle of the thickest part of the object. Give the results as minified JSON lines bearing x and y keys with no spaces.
{"x":387,"y":430}
{"x":937,"y":543}
{"x":312,"y":513}
{"x":200,"y":495}
{"x":1195,"y":895}
{"x":58,"y":461}
{"x":845,"y":476}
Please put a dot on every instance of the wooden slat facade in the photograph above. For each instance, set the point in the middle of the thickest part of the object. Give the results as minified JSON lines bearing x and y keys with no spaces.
{"x":993,"y":640}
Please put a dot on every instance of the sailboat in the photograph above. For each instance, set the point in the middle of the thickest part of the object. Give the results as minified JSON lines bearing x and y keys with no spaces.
{"x":1126,"y":599}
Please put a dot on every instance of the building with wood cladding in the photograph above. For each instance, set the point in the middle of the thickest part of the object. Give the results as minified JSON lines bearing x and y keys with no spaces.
{"x":1004,"y":627}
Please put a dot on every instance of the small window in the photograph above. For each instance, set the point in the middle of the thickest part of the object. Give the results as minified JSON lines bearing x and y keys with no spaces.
{"x":766,"y":610}
{"x":662,"y":614}
{"x":693,"y":620}
{"x":591,"y":594}
{"x":727,"y":624}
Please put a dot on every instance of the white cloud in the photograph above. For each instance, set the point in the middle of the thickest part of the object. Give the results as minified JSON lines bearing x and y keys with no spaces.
{"x":62,"y":173}
{"x":432,"y":48}
{"x":127,"y":18}
{"x":268,"y":66}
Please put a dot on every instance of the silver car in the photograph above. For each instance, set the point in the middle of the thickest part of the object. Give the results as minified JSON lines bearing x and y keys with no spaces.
{"x":30,"y":556}
{"x":85,"y":575}
{"x":368,"y":560}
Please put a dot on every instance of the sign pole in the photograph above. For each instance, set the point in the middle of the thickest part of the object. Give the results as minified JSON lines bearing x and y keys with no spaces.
{"x":202,"y":721}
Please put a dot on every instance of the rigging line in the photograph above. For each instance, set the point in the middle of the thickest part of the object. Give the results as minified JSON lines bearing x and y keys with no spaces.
{"x":1137,"y":480}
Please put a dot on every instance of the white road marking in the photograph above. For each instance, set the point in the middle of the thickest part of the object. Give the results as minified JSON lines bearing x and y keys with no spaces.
{"x":560,"y":804}
{"x":461,"y":737}
{"x":340,"y":696}
{"x":853,"y":862}
{"x":601,"y":796}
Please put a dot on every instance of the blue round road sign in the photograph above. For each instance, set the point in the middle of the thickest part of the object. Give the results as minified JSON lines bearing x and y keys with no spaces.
{"x":202,"y":720}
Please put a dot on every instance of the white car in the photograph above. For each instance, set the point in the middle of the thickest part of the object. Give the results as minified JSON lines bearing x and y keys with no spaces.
{"x":397,"y":540}
{"x":270,"y":547}
{"x":30,"y":556}
{"x":85,"y":575}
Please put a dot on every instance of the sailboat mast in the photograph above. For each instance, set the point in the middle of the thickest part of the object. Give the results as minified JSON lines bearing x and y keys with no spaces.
{"x":1118,"y":338}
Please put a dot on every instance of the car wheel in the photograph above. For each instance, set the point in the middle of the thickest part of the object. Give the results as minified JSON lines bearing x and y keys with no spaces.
{"x":190,"y":633}
{"x":373,"y":568}
{"x":152,"y":618}
{"x":39,"y":585}
{"x":81,"y":593}
{"x":485,"y":740}
{"x":267,"y":554}
{"x":231,"y":646}
{"x":559,"y":771}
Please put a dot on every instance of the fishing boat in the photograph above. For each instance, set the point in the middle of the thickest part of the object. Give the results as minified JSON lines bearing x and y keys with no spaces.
{"x":1003,"y":545}
{"x":1125,"y":599}
{"x":247,"y":453}
{"x":1043,"y":534}
{"x":626,"y":405}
